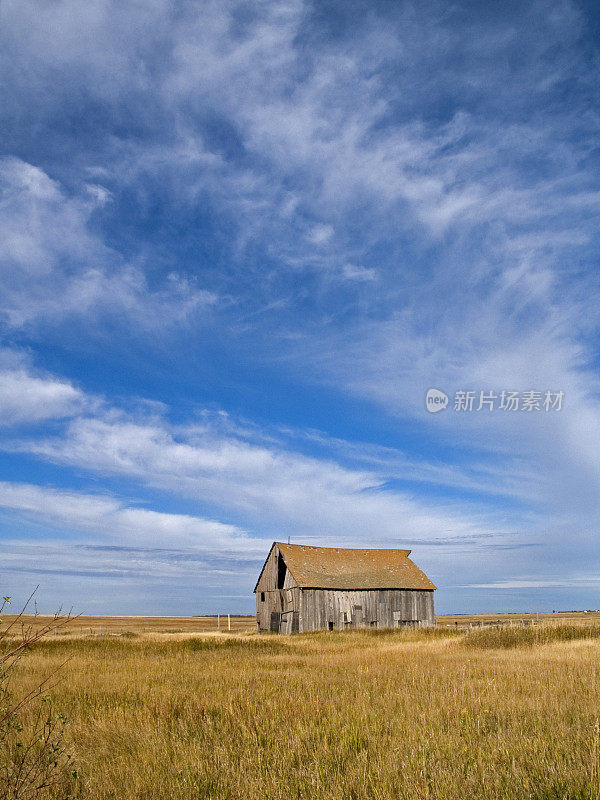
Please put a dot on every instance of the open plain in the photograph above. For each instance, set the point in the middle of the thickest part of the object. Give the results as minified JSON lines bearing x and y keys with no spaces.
{"x":170,"y":708}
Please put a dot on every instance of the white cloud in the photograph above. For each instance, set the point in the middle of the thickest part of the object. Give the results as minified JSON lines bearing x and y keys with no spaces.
{"x":533,"y":583}
{"x":354,"y":272}
{"x":26,"y":398}
{"x":28,"y":395}
{"x":272,"y":487}
{"x":330,"y":127}
{"x":320,"y":234}
{"x":241,"y":472}
{"x":115,"y":522}
{"x":52,"y":267}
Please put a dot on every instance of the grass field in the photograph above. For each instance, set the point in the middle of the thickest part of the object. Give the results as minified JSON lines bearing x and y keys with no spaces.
{"x":93,"y":626}
{"x":163,"y":709}
{"x":190,"y":626}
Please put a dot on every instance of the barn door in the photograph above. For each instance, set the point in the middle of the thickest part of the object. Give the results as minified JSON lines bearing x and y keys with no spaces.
{"x":275,"y":621}
{"x":358,"y":620}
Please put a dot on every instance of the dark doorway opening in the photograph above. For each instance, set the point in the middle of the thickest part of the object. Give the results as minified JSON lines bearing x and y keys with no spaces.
{"x":275,"y":620}
{"x":330,"y":624}
{"x":281,"y":572}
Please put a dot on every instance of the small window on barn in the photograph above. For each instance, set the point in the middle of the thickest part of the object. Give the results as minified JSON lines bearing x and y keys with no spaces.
{"x":262,"y":597}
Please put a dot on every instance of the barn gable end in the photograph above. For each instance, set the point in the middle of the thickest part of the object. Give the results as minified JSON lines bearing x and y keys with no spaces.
{"x":277,"y":595}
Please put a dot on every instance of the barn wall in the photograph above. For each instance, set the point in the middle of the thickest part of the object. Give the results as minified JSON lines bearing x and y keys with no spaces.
{"x":279,"y":611}
{"x":373,"y":608}
{"x":289,"y":609}
{"x":268,"y":579}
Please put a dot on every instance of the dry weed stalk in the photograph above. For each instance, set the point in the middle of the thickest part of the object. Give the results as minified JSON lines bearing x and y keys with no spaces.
{"x":32,"y":754}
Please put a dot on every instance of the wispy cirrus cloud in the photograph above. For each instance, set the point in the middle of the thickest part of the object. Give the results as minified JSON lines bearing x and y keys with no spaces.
{"x":271,"y":486}
{"x":118,"y":546}
{"x":114,"y":521}
{"x":53,"y":265}
{"x":266,"y":113}
{"x":28,"y":398}
{"x":259,"y":484}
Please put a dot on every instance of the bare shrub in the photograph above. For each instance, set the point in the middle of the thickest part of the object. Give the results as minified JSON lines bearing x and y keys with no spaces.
{"x":33,"y":758}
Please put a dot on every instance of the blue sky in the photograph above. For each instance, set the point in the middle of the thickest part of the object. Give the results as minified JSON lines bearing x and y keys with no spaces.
{"x":239,"y":243}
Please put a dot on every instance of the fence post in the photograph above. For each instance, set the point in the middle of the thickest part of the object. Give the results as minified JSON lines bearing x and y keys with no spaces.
{"x":228,"y":622}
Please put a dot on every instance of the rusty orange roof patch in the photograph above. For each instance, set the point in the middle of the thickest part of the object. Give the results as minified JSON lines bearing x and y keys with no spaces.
{"x":352,"y":568}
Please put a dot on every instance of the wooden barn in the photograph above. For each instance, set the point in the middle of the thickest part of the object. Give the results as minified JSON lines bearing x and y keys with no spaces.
{"x":302,"y":588}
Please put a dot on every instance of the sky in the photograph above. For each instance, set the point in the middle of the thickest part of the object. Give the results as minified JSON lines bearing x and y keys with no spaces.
{"x":241,"y":241}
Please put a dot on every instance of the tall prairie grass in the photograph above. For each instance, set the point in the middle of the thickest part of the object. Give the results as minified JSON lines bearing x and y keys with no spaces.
{"x":494,"y":637}
{"x":442,"y":714}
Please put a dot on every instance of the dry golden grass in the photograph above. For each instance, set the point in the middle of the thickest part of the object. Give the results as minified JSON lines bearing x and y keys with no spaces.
{"x":141,"y":626}
{"x":558,"y":618}
{"x":348,"y":716}
{"x":85,"y":625}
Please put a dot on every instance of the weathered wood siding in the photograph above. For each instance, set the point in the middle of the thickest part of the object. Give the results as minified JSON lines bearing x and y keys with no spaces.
{"x":277,"y":606}
{"x":323,"y":609}
{"x":283,"y":607}
{"x":295,"y":610}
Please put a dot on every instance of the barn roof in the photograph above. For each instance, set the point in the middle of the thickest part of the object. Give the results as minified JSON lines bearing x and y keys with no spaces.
{"x":350,"y":568}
